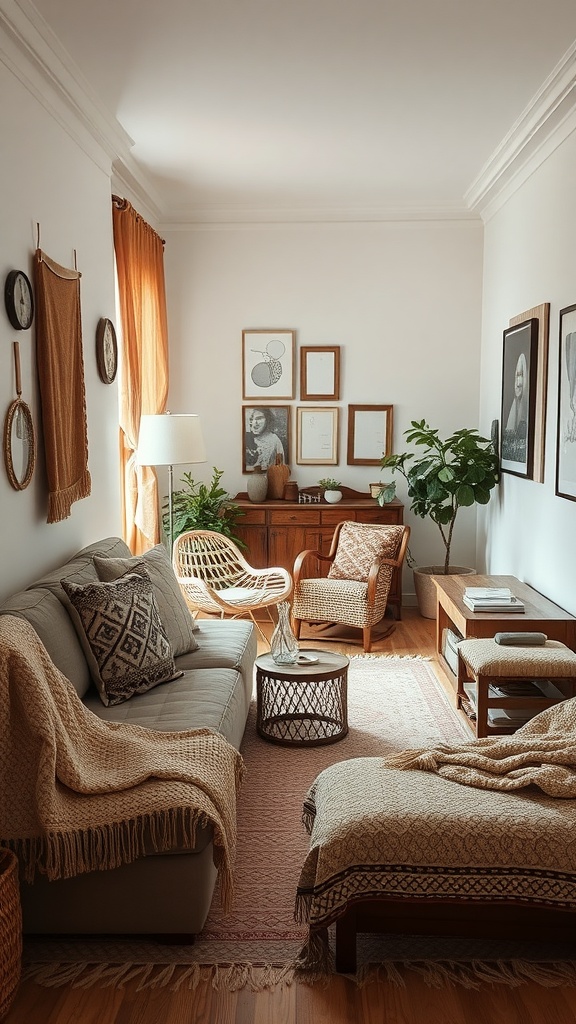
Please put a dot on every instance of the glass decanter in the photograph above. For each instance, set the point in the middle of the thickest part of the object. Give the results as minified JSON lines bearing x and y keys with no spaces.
{"x":283,"y":644}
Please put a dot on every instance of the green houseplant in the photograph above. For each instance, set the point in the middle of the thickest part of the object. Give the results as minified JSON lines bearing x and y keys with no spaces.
{"x":331,"y":489}
{"x":445,"y":476}
{"x":198,"y":506}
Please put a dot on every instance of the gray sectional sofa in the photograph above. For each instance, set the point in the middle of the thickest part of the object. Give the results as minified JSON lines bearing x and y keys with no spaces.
{"x":157,"y":894}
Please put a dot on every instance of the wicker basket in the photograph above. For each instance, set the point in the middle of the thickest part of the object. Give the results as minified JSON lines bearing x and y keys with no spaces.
{"x":10,"y":930}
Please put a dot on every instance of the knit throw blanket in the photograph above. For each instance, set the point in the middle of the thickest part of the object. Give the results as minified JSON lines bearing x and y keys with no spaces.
{"x":61,"y":378}
{"x":542,"y":753}
{"x":79,"y":794}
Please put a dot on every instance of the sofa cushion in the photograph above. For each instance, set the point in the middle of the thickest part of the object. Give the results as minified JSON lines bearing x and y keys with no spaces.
{"x":200,"y":699}
{"x":80,"y":568}
{"x":174,"y":612}
{"x":119,"y":626}
{"x":48,"y":616}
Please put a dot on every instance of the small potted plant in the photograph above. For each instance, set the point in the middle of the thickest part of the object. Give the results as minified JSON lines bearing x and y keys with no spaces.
{"x":331,"y":489}
{"x":200,"y":506}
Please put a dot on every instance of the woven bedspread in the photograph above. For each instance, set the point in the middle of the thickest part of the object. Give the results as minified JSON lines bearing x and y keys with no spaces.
{"x":385,"y":832}
{"x":79,"y":794}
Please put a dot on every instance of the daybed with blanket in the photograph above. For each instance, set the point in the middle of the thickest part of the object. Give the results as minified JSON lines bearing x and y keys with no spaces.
{"x":121,"y":723}
{"x":476,"y":839}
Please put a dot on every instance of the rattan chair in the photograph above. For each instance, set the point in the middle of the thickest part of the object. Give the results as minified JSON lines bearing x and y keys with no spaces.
{"x":360,"y":563}
{"x":215,"y":578}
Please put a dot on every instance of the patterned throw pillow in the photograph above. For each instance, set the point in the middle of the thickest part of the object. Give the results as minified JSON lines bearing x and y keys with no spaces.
{"x":119,"y":627}
{"x":175,"y":615}
{"x":358,"y":545}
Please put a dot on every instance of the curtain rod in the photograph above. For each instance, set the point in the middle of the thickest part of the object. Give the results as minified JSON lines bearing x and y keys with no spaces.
{"x":124,"y":204}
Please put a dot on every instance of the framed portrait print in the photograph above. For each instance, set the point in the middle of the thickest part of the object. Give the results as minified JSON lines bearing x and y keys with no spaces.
{"x":316,"y":436}
{"x":519,"y":376}
{"x":268,"y":365}
{"x":369,"y":434}
{"x":320,"y":373}
{"x":266,"y":434}
{"x":542,"y":314}
{"x":566,"y":434}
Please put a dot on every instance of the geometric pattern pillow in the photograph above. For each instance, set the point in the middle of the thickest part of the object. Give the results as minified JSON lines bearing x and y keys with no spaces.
{"x":175,"y":615}
{"x":123,"y":638}
{"x":358,"y":545}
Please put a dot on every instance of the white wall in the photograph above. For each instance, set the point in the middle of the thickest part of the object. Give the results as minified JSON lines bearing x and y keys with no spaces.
{"x":403,"y":300}
{"x":47,"y":177}
{"x":530,"y":257}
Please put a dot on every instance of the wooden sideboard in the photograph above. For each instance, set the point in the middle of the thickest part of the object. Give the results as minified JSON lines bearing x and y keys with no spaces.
{"x":276,"y":531}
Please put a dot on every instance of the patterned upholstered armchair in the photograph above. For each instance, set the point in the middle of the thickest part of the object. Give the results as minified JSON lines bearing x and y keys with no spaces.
{"x":360,"y":564}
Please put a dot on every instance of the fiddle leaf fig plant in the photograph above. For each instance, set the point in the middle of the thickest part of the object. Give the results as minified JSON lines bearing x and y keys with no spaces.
{"x":446,"y":475}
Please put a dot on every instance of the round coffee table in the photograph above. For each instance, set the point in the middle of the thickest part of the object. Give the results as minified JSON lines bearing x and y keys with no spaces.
{"x":302,"y":704}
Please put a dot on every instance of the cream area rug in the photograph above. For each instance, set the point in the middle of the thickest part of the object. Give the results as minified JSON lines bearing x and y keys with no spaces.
{"x":393,"y":704}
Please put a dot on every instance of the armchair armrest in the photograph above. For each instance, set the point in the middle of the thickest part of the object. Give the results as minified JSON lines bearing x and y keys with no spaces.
{"x":303,"y":556}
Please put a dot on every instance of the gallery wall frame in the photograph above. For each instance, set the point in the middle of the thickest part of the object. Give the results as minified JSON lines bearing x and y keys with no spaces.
{"x":518,"y":407}
{"x":317,"y":435}
{"x":268,"y":364}
{"x":320,"y":373}
{"x":265,"y":434}
{"x":369,"y":434}
{"x":542,"y":314}
{"x":566,"y":421}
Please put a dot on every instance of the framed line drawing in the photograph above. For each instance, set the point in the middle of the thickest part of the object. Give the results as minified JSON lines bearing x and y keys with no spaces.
{"x":320,"y":373}
{"x":317,"y":436}
{"x":519,"y":377}
{"x":268,"y":364}
{"x":542,"y":314}
{"x":266,"y":434}
{"x":369,"y":434}
{"x":566,"y":431}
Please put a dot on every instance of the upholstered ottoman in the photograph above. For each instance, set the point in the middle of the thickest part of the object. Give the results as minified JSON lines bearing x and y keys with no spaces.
{"x":504,"y":686}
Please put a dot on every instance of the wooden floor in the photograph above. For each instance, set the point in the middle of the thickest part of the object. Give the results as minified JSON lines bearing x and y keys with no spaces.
{"x":339,"y":1003}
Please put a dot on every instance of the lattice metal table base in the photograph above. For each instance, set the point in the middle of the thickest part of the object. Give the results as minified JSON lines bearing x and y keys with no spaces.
{"x":302,"y":705}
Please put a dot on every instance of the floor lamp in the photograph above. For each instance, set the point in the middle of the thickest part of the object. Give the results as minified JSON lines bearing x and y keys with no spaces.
{"x":170,"y":440}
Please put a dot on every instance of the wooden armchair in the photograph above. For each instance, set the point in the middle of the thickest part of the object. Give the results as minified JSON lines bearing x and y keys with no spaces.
{"x":360,"y":564}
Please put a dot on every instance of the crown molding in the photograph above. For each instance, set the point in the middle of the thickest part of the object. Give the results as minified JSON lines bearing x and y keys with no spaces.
{"x":544,"y":124}
{"x":33,"y":53}
{"x":204,"y":218}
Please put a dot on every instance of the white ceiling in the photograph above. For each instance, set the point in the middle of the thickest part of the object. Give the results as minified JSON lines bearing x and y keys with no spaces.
{"x":311,"y":105}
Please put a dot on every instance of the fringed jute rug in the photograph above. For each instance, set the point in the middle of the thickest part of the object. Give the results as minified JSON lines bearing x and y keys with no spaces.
{"x":393,"y":703}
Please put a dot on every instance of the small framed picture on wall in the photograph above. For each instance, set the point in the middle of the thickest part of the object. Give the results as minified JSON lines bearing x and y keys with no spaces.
{"x":268,"y":364}
{"x":566,"y":434}
{"x":266,"y":434}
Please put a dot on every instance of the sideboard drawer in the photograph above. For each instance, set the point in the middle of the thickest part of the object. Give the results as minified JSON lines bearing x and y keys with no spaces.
{"x":295,"y":516}
{"x":331,"y":516}
{"x":253,"y":517}
{"x":379,"y":515}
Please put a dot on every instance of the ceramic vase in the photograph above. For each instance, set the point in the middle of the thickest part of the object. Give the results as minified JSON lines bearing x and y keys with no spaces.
{"x":332,"y":496}
{"x":283,"y":644}
{"x":257,"y":486}
{"x":278,"y":476}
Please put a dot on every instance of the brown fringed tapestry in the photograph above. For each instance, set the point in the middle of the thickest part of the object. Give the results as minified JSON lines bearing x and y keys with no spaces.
{"x":61,"y":376}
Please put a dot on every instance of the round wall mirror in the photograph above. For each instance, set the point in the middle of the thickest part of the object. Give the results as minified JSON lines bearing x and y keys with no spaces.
{"x":19,"y":446}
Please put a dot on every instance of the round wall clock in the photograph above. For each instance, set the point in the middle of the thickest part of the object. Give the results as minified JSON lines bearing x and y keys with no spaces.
{"x":106,"y":350}
{"x":19,"y":300}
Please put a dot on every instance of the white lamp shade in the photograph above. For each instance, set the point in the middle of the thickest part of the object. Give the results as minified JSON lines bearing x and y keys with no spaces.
{"x":170,"y":440}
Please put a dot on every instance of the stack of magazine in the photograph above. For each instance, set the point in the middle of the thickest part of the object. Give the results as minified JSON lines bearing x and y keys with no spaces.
{"x":491,"y":599}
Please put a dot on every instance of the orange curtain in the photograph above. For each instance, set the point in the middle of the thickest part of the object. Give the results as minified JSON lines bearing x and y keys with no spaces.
{"x":144,"y":364}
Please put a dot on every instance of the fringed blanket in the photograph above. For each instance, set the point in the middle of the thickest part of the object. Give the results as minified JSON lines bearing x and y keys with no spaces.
{"x":61,"y":378}
{"x":542,"y":753}
{"x":504,"y":835}
{"x":80,"y":794}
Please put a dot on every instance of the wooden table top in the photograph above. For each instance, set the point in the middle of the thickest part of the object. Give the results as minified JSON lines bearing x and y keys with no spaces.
{"x":536,"y":605}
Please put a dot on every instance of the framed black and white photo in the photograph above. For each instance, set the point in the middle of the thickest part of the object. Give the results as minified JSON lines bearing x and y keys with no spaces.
{"x":317,"y":436}
{"x":266,"y":434}
{"x":268,"y":364}
{"x":320,"y":373}
{"x":369,"y":434}
{"x":519,"y":377}
{"x":566,"y":434}
{"x":542,"y":314}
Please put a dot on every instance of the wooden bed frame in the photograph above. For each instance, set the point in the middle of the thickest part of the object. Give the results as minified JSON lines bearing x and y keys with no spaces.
{"x":502,"y":920}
